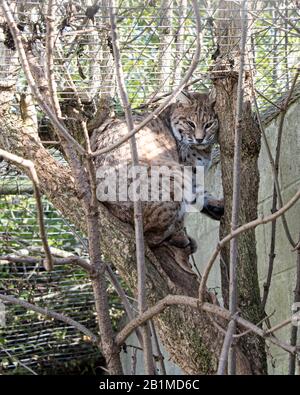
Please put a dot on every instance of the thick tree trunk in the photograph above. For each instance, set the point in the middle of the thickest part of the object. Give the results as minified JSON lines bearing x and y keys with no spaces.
{"x":225,"y":80}
{"x":190,"y":336}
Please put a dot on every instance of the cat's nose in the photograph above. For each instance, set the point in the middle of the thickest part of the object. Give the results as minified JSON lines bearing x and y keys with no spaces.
{"x":199,"y":141}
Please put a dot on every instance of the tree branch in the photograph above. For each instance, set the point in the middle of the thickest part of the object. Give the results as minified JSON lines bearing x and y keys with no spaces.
{"x":31,"y":260}
{"x":121,"y":293}
{"x":172,"y":300}
{"x":51,"y":314}
{"x":276,"y":189}
{"x":29,"y":166}
{"x":30,"y":79}
{"x":236,"y":232}
{"x":19,"y":362}
{"x":50,"y":42}
{"x":158,"y":351}
{"x":86,"y":186}
{"x":226,"y":347}
{"x":137,"y":209}
{"x":172,"y":97}
{"x":233,"y":288}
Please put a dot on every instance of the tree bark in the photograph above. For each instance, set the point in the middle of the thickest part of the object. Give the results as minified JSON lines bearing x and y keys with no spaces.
{"x":225,"y":79}
{"x":192,"y":340}
{"x":190,"y":336}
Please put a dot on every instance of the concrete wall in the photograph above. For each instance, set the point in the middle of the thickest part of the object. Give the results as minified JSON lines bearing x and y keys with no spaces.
{"x":206,"y":232}
{"x":283,"y":282}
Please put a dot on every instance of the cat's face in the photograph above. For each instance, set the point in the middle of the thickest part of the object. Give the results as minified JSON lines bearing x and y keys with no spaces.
{"x":193,"y":120}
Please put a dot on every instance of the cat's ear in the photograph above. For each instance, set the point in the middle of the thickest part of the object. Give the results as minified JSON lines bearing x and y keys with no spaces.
{"x":212,"y":96}
{"x":184,"y":98}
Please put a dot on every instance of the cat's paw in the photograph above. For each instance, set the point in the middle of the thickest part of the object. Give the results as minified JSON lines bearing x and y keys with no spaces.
{"x":213,"y":207}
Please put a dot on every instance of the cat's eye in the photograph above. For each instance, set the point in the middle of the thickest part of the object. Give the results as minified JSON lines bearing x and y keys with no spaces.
{"x":209,"y":124}
{"x":191,"y":124}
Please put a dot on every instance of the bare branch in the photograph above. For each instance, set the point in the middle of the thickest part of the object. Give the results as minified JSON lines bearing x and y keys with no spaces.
{"x":267,"y":21}
{"x":226,"y":347}
{"x":160,"y":356}
{"x":31,"y":260}
{"x":28,"y":165}
{"x":138,"y":212}
{"x":164,"y":61}
{"x":89,"y":14}
{"x":287,"y":20}
{"x":50,"y":40}
{"x":233,"y":290}
{"x":172,"y":300}
{"x":51,"y":314}
{"x":276,"y":189}
{"x":278,"y":151}
{"x":172,"y":97}
{"x":279,"y":326}
{"x":31,"y":82}
{"x":121,"y":293}
{"x":250,"y":225}
{"x":19,"y":362}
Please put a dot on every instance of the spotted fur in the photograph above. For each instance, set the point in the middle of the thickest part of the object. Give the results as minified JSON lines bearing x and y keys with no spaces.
{"x":182,"y":135}
{"x":194,"y":125}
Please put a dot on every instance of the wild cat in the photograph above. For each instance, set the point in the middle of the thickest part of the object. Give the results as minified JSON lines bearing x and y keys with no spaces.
{"x":182,"y":136}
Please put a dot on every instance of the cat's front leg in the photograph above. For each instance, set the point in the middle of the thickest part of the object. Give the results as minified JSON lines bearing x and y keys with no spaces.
{"x":213,"y":207}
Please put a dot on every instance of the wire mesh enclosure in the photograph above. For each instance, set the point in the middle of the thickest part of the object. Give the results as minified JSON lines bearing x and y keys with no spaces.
{"x":157,"y":43}
{"x":42,"y":344}
{"x":157,"y":40}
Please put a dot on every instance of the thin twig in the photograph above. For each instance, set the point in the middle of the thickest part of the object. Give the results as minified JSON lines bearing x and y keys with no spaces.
{"x":94,"y":9}
{"x":278,"y":149}
{"x":287,"y":20}
{"x":122,"y":295}
{"x":50,"y":41}
{"x":172,"y":97}
{"x":12,"y":357}
{"x":250,"y":225}
{"x":258,"y":324}
{"x":266,"y":21}
{"x":158,"y":351}
{"x":233,"y":289}
{"x":276,"y":188}
{"x":138,"y":212}
{"x":267,"y":99}
{"x":278,"y":326}
{"x":86,"y":266}
{"x":31,"y":260}
{"x":133,"y":361}
{"x":30,"y":79}
{"x":28,"y":164}
{"x":52,"y":314}
{"x":226,"y":347}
